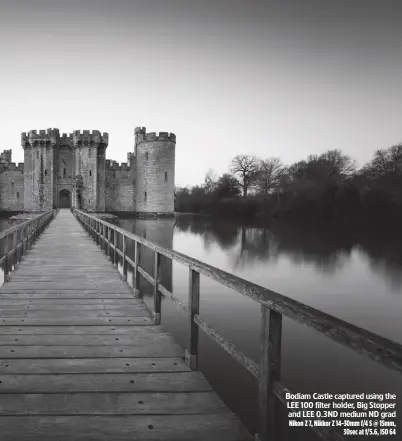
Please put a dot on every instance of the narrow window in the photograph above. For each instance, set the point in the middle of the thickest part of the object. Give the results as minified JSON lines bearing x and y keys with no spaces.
{"x":146,"y":156}
{"x":89,"y":201}
{"x":64,"y":173}
{"x":45,"y":172}
{"x":37,"y":153}
{"x":165,"y":176}
{"x":12,"y":183}
{"x":89,"y":152}
{"x":18,"y":194}
{"x":145,"y":195}
{"x":90,"y":172}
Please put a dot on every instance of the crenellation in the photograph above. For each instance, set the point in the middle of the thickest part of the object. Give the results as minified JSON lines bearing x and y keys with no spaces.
{"x":141,"y":136}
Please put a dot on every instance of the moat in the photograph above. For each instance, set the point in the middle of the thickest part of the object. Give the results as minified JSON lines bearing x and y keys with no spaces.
{"x":355,"y":275}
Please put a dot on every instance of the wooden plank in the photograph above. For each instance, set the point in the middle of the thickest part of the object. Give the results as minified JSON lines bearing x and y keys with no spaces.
{"x":121,"y":289}
{"x":79,"y":330}
{"x":139,"y":311}
{"x":76,"y":321}
{"x":157,"y":349}
{"x":131,"y":382}
{"x":92,"y":365}
{"x":222,"y":426}
{"x":145,"y":337}
{"x":169,"y":403}
{"x":62,"y":295}
{"x":63,"y":285}
{"x":72,"y":308}
{"x":35,"y":303}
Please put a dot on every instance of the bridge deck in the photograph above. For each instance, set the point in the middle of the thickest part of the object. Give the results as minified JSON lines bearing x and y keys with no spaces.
{"x":81,"y":358}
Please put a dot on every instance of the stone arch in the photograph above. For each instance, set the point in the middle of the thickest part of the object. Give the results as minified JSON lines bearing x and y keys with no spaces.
{"x":64,"y":199}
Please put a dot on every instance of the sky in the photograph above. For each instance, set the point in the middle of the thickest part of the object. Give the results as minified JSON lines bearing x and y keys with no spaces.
{"x":266,"y":78}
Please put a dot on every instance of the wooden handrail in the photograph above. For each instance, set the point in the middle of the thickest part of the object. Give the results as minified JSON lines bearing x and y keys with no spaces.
{"x":273,"y":307}
{"x":17,"y":240}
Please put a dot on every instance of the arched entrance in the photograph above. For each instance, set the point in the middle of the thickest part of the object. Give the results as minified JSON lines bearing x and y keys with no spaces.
{"x":64,"y":199}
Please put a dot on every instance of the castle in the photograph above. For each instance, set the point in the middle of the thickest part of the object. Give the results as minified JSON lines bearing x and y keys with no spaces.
{"x":71,"y":170}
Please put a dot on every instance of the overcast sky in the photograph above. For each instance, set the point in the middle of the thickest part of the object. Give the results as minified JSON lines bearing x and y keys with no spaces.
{"x":270,"y":78}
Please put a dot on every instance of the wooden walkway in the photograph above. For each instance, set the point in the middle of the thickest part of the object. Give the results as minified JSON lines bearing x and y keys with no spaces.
{"x":81,"y":358}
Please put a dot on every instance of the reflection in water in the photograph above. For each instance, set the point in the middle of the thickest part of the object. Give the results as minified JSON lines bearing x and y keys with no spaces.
{"x":328,"y":249}
{"x":354,"y":275}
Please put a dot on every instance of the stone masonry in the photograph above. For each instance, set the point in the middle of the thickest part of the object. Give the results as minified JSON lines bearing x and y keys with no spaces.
{"x":71,"y":170}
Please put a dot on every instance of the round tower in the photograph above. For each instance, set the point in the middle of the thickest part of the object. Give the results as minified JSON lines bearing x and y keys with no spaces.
{"x":155,"y":172}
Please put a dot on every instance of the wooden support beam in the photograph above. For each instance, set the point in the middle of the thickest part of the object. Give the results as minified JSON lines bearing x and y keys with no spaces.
{"x":124,"y":276}
{"x":191,"y":353}
{"x":157,"y":294}
{"x":270,"y":373}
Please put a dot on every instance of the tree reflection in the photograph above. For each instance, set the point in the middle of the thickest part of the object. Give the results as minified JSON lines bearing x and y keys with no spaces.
{"x":326,"y":247}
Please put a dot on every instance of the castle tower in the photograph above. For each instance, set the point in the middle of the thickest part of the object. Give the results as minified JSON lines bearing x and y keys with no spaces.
{"x":155,"y":172}
{"x":89,"y":163}
{"x":39,"y":169}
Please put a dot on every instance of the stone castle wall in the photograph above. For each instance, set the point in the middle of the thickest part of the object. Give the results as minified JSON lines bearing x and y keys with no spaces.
{"x":12,"y":186}
{"x":145,"y":184}
{"x":120,"y":186}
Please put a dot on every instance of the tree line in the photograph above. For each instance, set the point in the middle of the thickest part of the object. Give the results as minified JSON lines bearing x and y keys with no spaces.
{"x":322,"y":187}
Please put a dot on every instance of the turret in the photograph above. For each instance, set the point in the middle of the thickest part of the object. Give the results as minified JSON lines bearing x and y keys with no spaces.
{"x":155,"y":171}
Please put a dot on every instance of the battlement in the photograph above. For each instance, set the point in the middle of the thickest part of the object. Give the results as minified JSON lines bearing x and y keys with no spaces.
{"x":12,"y":166}
{"x":153,"y":136}
{"x":86,"y":137}
{"x":66,"y":138}
{"x":48,"y":137}
{"x":140,"y":130}
{"x":6,"y":156}
{"x":67,"y":135}
{"x":114,"y":165}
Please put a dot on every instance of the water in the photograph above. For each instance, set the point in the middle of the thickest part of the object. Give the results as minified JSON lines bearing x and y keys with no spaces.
{"x":353,"y":275}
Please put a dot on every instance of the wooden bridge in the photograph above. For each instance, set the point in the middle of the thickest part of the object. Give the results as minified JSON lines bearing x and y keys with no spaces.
{"x":82,"y":358}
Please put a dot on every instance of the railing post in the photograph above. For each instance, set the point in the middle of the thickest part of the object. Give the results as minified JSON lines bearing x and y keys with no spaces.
{"x":270,"y":372}
{"x":6,"y":264}
{"x":157,"y":294}
{"x":136,"y":274}
{"x":115,"y":263}
{"x":28,"y":237}
{"x":191,"y":354}
{"x":100,"y":236}
{"x":97,"y":232}
{"x":22,"y":242}
{"x":109,"y":237}
{"x":124,"y":276}
{"x":15,"y":246}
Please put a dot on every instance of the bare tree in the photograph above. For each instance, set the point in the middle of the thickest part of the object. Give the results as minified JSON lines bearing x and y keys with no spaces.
{"x":337,"y":165}
{"x":268,"y":174}
{"x":244,"y":168}
{"x":210,"y":181}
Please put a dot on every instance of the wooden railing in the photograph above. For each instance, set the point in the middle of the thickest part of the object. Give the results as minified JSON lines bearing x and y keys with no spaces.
{"x":17,"y":240}
{"x":273,"y":307}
